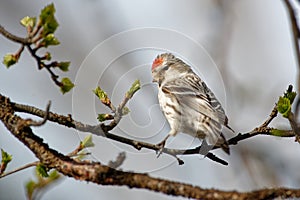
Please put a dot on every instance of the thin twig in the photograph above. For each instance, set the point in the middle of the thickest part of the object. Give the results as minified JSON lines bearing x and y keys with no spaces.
{"x":20,"y":169}
{"x":118,"y":162}
{"x":100,"y":131}
{"x":30,"y":41}
{"x":293,"y":123}
{"x":42,"y":122}
{"x":76,"y":151}
{"x":296,"y":36}
{"x":273,"y":114}
{"x":118,"y":114}
{"x":103,"y":175}
{"x":13,"y":37}
{"x":42,"y":65}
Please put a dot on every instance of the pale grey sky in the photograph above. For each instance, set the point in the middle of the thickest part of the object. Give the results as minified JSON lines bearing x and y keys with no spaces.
{"x":242,"y":49}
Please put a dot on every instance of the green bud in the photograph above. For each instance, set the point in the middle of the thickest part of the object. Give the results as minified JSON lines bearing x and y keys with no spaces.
{"x":49,"y":10}
{"x":28,"y":21}
{"x":81,"y":154}
{"x":64,"y":66}
{"x":276,"y":132}
{"x":67,"y":85}
{"x":102,"y":96}
{"x":53,"y":175}
{"x":125,"y":111}
{"x":48,"y":20}
{"x":9,"y":60}
{"x":30,"y":187}
{"x":88,"y":141}
{"x":6,"y":158}
{"x":134,"y":88}
{"x":49,"y":39}
{"x":47,"y":56}
{"x":284,"y":106}
{"x":101,"y":117}
{"x":41,"y":170}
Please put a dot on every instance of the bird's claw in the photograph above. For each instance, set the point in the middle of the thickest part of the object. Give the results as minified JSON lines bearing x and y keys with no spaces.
{"x":205,"y":148}
{"x":160,"y":148}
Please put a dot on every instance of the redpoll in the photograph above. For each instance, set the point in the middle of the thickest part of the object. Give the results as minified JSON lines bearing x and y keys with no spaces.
{"x":188,"y":104}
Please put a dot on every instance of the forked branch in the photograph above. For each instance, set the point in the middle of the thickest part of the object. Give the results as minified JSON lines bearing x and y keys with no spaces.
{"x":104,"y":175}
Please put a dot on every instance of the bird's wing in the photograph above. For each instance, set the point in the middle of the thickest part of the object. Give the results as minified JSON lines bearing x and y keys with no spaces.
{"x":193,"y":93}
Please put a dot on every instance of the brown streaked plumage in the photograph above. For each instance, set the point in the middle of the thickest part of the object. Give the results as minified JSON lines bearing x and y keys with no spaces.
{"x":188,"y":104}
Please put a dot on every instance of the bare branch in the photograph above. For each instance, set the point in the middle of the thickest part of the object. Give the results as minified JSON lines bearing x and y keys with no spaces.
{"x":296,"y":36}
{"x":42,"y":65}
{"x":42,"y":122}
{"x":273,"y":114}
{"x":101,"y":130}
{"x":293,"y":123}
{"x":118,"y":162}
{"x":33,"y":164}
{"x":36,"y":39}
{"x":104,"y":175}
{"x":14,"y":38}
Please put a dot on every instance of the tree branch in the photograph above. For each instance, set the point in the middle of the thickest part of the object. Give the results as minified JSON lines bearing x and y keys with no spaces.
{"x":36,"y":38}
{"x":14,"y":38}
{"x":296,"y":36}
{"x":118,"y":162}
{"x":33,"y":164}
{"x":104,"y":175}
{"x":102,"y":130}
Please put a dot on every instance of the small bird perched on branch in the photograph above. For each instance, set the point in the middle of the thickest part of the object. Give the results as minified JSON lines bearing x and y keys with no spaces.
{"x":188,"y":104}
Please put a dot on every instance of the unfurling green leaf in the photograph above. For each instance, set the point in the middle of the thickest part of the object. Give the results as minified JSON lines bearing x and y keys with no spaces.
{"x":48,"y":20}
{"x":41,"y":170}
{"x":53,"y":175}
{"x":47,"y":56}
{"x":102,"y":96}
{"x":9,"y":60}
{"x":103,"y":117}
{"x":28,"y":21}
{"x":88,"y":141}
{"x":64,"y":66}
{"x":50,"y":39}
{"x":291,"y":96}
{"x":30,"y":187}
{"x":50,"y":27}
{"x":67,"y":85}
{"x":100,"y":93}
{"x":82,"y":154}
{"x":284,"y":106}
{"x":125,"y":111}
{"x":134,"y":88}
{"x":49,"y":10}
{"x":6,"y":158}
{"x":44,"y":180}
{"x":276,"y":132}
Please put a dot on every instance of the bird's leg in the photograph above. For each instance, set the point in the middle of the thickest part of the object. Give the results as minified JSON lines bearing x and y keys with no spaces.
{"x":205,"y":148}
{"x":161,"y":145}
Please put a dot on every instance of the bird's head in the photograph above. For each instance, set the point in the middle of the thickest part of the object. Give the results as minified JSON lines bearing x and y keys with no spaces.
{"x":166,"y":67}
{"x":159,"y":67}
{"x":161,"y":61}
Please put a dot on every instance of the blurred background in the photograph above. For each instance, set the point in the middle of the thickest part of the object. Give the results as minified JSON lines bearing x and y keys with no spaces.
{"x":243,"y":50}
